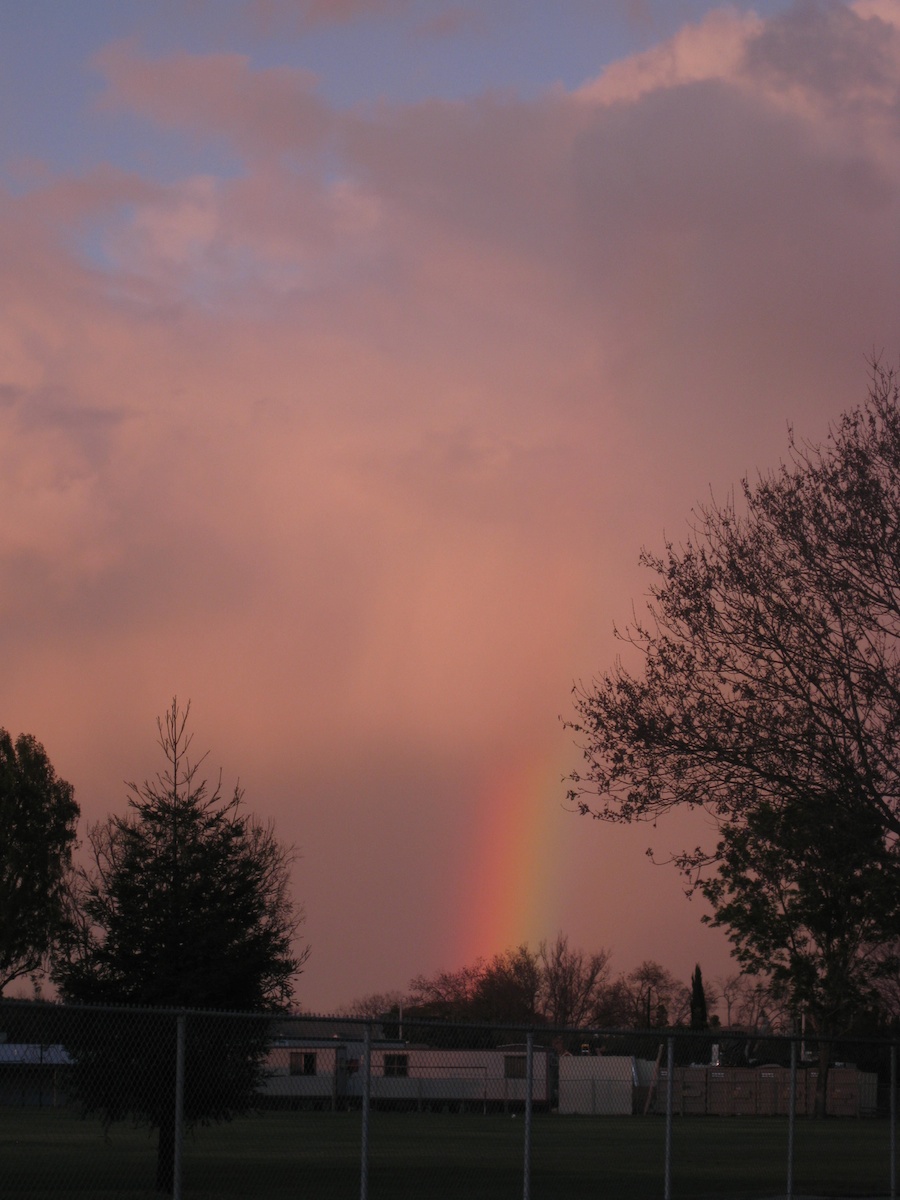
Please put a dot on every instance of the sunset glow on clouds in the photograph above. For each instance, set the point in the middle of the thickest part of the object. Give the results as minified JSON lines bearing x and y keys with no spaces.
{"x":346,"y":417}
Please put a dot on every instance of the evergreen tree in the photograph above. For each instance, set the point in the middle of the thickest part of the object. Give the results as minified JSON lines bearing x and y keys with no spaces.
{"x":186,"y":905}
{"x":699,"y":1018}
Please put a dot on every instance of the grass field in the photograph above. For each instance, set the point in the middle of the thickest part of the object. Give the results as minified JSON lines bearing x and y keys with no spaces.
{"x":52,"y":1154}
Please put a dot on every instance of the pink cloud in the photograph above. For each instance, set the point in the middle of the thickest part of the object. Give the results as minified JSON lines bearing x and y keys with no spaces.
{"x":830,"y":60}
{"x":712,"y":49}
{"x":885,"y":10}
{"x":361,"y":459}
{"x":272,"y":110}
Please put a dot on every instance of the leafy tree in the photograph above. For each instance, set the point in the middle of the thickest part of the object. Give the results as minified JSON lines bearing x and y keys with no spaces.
{"x":185,"y":905}
{"x":769,"y":696}
{"x":807,"y":893}
{"x":38,"y":815}
{"x":509,"y":988}
{"x":806,"y":896}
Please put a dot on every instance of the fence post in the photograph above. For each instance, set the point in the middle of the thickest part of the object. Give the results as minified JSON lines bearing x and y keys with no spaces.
{"x":670,"y":1104}
{"x":792,"y":1114}
{"x":180,"y":1033}
{"x":529,"y":1086}
{"x":366,"y":1092}
{"x":893,"y":1120}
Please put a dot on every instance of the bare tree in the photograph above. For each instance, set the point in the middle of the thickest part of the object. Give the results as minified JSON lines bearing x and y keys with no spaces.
{"x":573,"y":983}
{"x":731,"y":990}
{"x":448,"y":995}
{"x":374,"y":1005}
{"x":654,"y":997}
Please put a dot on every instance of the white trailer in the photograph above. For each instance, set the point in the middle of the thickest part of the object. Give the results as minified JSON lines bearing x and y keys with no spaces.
{"x":331,"y":1073}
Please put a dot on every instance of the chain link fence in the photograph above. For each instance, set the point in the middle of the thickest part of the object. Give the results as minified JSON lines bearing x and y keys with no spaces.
{"x":133,"y":1103}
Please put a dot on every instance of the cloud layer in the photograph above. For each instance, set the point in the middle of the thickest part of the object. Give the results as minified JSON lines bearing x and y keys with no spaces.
{"x":355,"y":443}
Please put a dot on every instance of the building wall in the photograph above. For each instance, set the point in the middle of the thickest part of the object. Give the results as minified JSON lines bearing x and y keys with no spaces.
{"x":597,"y":1086}
{"x":764,"y":1091}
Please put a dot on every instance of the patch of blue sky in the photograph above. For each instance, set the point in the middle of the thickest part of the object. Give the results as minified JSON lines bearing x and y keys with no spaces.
{"x":48,"y":82}
{"x":165,"y":155}
{"x":45,"y":81}
{"x":430,"y":49}
{"x":94,"y":242}
{"x":407,"y":60}
{"x":523,"y":47}
{"x":199,"y":270}
{"x":129,"y":145}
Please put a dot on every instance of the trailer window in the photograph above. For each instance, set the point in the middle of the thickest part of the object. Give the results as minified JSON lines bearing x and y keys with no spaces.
{"x":514,"y":1066}
{"x":303,"y":1062}
{"x":396,"y":1064}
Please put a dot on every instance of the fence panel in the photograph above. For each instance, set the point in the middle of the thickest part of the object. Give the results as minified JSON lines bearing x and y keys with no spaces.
{"x":132,"y":1103}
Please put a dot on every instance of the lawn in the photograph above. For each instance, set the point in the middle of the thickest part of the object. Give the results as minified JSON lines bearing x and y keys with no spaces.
{"x":51,"y":1154}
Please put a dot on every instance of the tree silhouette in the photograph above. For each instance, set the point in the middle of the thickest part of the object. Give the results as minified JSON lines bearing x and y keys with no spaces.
{"x":699,"y":1017}
{"x":38,"y":815}
{"x":769,"y":697}
{"x":573,"y":983}
{"x":186,"y":905}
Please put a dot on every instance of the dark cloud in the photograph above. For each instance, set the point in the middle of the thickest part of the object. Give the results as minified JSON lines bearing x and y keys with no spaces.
{"x":838,"y":59}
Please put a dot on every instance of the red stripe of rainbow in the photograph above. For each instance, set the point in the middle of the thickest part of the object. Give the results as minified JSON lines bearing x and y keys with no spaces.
{"x":508,"y":887}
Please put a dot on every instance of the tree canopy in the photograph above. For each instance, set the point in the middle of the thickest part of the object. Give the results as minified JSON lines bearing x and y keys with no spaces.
{"x":769,"y":697}
{"x":38,"y":817}
{"x":810,"y":897}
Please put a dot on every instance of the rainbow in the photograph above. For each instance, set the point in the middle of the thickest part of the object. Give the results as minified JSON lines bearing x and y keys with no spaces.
{"x":509,"y":888}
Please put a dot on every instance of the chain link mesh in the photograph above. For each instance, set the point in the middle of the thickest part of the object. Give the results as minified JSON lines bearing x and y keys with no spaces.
{"x":106,"y":1103}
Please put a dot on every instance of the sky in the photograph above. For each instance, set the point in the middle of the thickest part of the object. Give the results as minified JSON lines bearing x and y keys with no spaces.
{"x":351,"y":350}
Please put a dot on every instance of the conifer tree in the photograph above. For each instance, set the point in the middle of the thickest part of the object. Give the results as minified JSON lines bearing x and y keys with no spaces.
{"x":699,"y":1018}
{"x":186,"y":906}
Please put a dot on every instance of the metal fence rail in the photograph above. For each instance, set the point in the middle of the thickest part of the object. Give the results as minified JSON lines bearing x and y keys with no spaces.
{"x":129,"y":1103}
